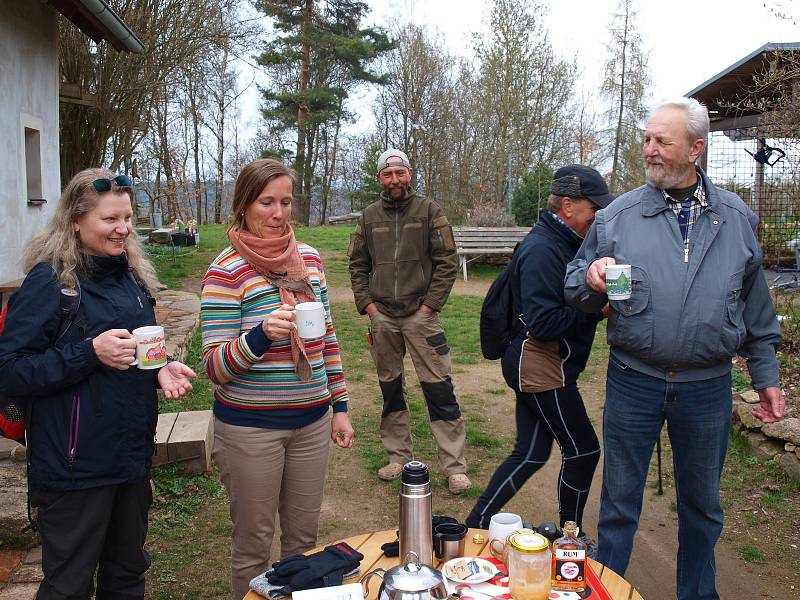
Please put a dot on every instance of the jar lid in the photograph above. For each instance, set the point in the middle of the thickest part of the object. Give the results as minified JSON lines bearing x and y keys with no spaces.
{"x":529,"y":542}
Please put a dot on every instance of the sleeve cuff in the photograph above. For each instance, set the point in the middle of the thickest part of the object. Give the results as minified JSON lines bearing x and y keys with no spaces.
{"x":91,"y":355}
{"x":257,"y":340}
{"x":340,"y":406}
{"x":432,"y":304}
{"x":361,"y":306}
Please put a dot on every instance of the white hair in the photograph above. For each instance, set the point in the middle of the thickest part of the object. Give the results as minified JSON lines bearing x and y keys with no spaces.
{"x":697,"y":124}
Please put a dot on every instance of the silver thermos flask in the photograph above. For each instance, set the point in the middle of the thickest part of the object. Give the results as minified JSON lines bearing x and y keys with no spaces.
{"x":415,"y":513}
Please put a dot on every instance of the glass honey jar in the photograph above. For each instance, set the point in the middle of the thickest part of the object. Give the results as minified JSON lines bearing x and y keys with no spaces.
{"x":529,"y":562}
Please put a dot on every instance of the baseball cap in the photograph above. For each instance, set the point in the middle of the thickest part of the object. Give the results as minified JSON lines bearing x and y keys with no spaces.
{"x":400,"y":159}
{"x":579,"y":181}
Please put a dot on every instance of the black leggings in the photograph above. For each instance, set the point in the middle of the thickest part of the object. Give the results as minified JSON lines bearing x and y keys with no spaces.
{"x":556,"y":414}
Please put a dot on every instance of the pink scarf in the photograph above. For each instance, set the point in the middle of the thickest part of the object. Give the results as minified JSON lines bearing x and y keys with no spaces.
{"x":279,"y":260}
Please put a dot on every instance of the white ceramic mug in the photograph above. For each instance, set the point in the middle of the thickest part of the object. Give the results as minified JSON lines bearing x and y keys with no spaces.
{"x":151,"y":351}
{"x":310,"y":320}
{"x":502,"y":525}
{"x":618,"y":281}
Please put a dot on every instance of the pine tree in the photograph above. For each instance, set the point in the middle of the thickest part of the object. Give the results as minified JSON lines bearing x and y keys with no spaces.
{"x":318,"y":53}
{"x":531,"y":195}
{"x":369,"y":190}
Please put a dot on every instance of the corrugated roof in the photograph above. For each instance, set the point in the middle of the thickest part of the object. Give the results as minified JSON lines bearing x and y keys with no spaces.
{"x":736,"y":80}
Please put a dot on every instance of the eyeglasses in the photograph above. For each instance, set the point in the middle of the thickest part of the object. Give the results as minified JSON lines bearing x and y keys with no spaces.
{"x":104,"y":184}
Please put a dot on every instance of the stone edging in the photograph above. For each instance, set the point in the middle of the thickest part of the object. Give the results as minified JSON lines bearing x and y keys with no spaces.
{"x":778,"y":441}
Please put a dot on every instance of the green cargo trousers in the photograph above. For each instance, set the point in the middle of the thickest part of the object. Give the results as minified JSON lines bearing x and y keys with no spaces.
{"x":422,"y":334}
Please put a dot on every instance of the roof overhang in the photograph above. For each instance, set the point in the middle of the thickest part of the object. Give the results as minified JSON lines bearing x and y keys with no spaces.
{"x":725,"y":89}
{"x":99,"y":22}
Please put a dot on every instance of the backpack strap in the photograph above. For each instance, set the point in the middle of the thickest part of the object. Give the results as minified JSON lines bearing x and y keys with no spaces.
{"x":69,"y":303}
{"x":519,"y":321}
{"x":142,"y":285}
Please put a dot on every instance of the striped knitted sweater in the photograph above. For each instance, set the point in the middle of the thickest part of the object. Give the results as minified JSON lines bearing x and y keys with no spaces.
{"x":256,"y":384}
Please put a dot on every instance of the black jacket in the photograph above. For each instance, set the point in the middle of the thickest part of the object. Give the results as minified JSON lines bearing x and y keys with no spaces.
{"x":553,"y":350}
{"x":89,"y":425}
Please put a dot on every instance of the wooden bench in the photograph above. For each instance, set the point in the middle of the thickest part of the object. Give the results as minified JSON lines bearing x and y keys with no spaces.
{"x":473,"y":242}
{"x":185,"y":438}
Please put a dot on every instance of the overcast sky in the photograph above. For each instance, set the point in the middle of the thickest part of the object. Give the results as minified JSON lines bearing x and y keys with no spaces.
{"x":688,"y":41}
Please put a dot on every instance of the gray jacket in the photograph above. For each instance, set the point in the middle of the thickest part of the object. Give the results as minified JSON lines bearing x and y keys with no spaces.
{"x":684,"y":320}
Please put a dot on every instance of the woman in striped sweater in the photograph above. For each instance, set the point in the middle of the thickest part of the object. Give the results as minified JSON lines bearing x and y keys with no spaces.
{"x":278,"y":398}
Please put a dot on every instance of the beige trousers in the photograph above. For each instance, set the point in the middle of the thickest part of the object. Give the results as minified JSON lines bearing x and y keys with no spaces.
{"x":267,"y":471}
{"x":422,"y":335}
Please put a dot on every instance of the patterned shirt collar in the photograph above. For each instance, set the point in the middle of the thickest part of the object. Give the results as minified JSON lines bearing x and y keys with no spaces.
{"x":699,"y":196}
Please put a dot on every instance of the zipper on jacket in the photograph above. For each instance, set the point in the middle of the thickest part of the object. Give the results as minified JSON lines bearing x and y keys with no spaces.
{"x":396,"y":245}
{"x":74,"y":427}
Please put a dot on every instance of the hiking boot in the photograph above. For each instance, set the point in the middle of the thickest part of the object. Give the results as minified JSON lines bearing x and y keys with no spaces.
{"x":390,"y":471}
{"x":458,"y":483}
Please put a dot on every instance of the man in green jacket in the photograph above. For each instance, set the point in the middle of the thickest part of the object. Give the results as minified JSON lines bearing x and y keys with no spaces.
{"x":402,"y":266}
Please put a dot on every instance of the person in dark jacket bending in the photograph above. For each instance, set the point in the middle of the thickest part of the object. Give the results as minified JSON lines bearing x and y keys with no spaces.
{"x":91,"y":415}
{"x":543,"y":362}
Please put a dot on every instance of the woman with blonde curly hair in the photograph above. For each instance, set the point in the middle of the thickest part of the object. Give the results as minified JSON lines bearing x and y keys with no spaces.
{"x":91,"y":415}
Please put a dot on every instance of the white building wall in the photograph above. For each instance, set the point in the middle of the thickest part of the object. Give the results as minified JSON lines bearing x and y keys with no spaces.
{"x":28,"y":98}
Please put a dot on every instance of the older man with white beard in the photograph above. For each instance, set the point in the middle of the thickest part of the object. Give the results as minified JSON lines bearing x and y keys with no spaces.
{"x":698,"y":298}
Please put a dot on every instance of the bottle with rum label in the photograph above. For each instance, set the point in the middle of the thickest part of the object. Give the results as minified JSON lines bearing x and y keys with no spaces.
{"x":569,"y":561}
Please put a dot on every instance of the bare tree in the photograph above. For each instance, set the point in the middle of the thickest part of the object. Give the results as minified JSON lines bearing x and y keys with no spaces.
{"x":124,"y":87}
{"x":625,"y":85}
{"x":523,"y":97}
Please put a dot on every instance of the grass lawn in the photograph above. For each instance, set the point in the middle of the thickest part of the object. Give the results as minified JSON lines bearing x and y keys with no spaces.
{"x":190,"y":531}
{"x":179,"y":538}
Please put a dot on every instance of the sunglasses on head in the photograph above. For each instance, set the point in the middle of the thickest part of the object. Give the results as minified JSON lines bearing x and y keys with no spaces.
{"x":104,"y":184}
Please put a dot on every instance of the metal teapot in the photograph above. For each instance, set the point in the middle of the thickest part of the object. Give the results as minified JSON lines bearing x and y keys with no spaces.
{"x":408,"y":581}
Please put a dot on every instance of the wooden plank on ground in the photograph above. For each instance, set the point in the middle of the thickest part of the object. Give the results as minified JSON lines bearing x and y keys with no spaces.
{"x":191,"y":440}
{"x":185,"y":438}
{"x":166,"y":422}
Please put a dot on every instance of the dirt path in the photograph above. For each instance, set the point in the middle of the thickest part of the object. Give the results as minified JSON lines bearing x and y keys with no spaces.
{"x":356,"y":500}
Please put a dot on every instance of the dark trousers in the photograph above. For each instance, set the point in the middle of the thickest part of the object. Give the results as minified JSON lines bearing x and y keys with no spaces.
{"x":99,"y":529}
{"x":558,"y":415}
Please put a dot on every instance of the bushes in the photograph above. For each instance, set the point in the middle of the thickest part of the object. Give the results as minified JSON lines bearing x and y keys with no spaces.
{"x":489,"y":214}
{"x":532,"y":195}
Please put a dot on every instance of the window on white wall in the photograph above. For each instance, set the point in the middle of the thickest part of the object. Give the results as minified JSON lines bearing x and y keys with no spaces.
{"x":33,"y":165}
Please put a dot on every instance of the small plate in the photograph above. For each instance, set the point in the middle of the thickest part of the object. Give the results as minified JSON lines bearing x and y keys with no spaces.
{"x":487,"y":570}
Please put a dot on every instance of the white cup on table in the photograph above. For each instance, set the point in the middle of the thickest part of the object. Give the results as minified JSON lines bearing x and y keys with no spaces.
{"x":503,"y":524}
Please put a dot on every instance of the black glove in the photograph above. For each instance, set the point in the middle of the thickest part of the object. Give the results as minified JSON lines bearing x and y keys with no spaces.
{"x":322,"y":569}
{"x":283,"y":570}
{"x":391,"y":548}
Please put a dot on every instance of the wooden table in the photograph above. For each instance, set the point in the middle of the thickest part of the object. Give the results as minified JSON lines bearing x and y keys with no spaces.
{"x":369,"y":544}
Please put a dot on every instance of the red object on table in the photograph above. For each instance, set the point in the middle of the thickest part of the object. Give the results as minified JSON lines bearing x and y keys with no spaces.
{"x":498,"y":585}
{"x":599,"y":591}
